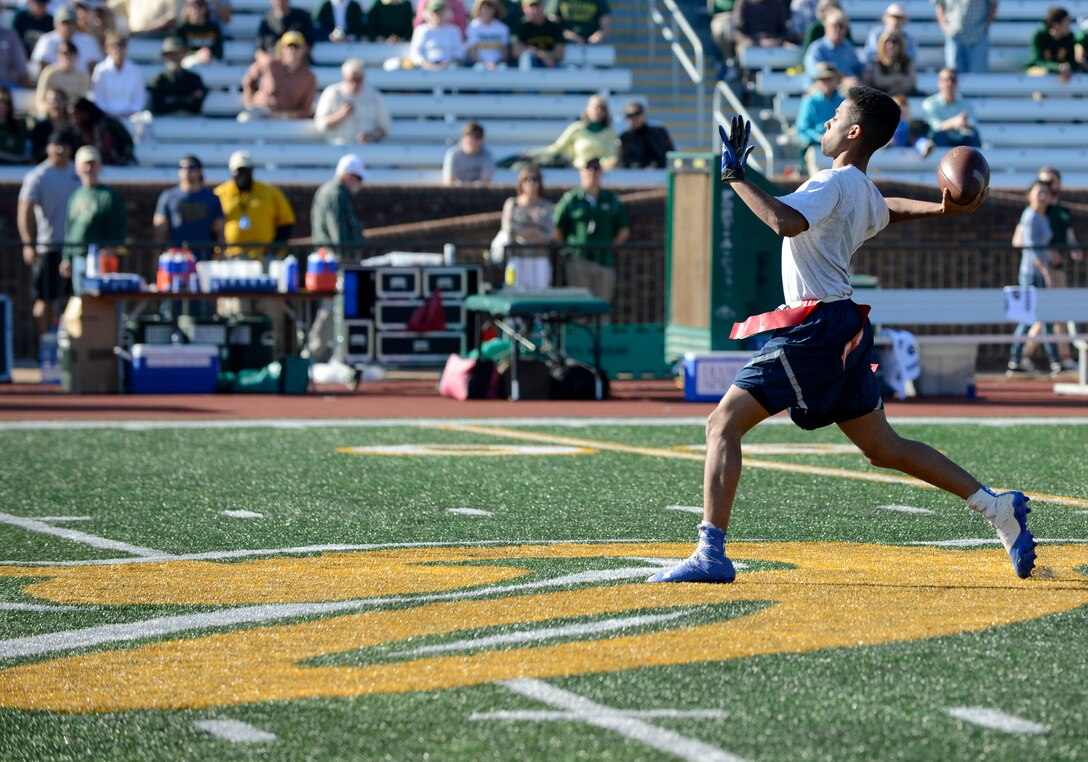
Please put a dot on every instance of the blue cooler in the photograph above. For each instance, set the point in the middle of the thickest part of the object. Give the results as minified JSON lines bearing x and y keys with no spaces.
{"x":174,"y":369}
{"x":708,"y":375}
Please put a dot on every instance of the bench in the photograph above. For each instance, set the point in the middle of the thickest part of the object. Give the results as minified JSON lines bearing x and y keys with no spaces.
{"x":1000,"y":160}
{"x":986,"y":109}
{"x":229,"y":77}
{"x":950,"y":359}
{"x":168,"y":129}
{"x":918,"y":10}
{"x":240,"y":51}
{"x":1007,"y":59}
{"x":970,"y":85}
{"x":385,"y":154}
{"x":480,"y":107}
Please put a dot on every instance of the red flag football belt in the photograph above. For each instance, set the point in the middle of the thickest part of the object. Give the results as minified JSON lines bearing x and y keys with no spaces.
{"x":787,"y":318}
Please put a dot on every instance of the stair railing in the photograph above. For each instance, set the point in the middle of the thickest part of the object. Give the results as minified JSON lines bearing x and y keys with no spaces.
{"x":676,"y":30}
{"x":723,"y":92}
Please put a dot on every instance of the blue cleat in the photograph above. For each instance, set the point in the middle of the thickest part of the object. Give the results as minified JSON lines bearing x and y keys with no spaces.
{"x":707,"y":564}
{"x":1007,"y":513}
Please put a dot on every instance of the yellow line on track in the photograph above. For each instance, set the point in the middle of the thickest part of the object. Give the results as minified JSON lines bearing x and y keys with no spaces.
{"x":770,"y":465}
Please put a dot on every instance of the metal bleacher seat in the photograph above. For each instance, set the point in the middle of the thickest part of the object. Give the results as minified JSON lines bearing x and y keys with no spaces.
{"x":504,"y":132}
{"x":240,"y":51}
{"x":227,"y":77}
{"x":990,"y":84}
{"x":1007,"y":10}
{"x":1000,"y":159}
{"x":1050,"y":110}
{"x":1003,"y":59}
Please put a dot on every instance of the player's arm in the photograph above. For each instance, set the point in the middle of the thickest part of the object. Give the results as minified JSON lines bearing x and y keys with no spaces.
{"x":779,"y":217}
{"x":906,"y":209}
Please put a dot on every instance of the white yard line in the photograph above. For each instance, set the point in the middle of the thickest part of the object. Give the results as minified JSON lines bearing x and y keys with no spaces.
{"x":234,"y":731}
{"x":992,"y":719}
{"x":581,"y":709}
{"x":94,"y":541}
{"x":44,"y":608}
{"x":685,"y":508}
{"x":904,"y":509}
{"x":36,"y":645}
{"x":470,"y":511}
{"x":242,"y":514}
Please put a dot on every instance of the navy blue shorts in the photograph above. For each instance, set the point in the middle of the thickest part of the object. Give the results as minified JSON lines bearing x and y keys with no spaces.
{"x":803,"y":369}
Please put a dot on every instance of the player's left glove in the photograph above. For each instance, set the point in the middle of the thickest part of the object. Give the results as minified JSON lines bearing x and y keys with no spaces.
{"x":735,"y":149}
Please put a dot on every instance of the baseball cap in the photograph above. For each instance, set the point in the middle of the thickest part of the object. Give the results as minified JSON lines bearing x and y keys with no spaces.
{"x":64,"y":14}
{"x":436,"y":5}
{"x":88,"y":154}
{"x":240,"y":160}
{"x":293,"y":38}
{"x":173,"y":45}
{"x":351,"y":164}
{"x":826,"y":70}
{"x":897,"y":10}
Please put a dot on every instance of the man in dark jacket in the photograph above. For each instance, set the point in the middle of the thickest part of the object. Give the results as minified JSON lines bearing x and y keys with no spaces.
{"x":642,"y":146}
{"x":176,"y":90}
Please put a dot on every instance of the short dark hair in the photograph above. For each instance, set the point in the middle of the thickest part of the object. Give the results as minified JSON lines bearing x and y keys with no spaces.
{"x":475,"y":129}
{"x":1052,"y":171}
{"x":1055,"y":15}
{"x":63,"y":138}
{"x":875,"y":112}
{"x":194,"y":160}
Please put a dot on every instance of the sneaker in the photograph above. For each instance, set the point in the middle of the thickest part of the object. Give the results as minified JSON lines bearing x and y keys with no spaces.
{"x":707,"y":564}
{"x":1008,"y":515}
{"x":1069,"y":364}
{"x":1020,"y":366}
{"x":1056,"y":369}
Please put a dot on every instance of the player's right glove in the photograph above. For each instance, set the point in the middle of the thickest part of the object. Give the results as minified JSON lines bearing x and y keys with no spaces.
{"x":735,"y":149}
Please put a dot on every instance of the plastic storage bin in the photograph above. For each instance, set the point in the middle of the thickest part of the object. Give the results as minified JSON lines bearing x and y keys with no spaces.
{"x":174,"y":369}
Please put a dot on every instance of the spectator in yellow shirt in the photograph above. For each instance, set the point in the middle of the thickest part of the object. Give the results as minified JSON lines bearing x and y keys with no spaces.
{"x":256,"y":213}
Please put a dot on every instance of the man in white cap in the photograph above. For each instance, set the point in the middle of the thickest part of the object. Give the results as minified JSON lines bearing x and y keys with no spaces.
{"x":894,"y":18}
{"x":333,"y":221}
{"x":349,"y":111}
{"x":96,"y":213}
{"x":256,"y":213}
{"x":64,"y":30}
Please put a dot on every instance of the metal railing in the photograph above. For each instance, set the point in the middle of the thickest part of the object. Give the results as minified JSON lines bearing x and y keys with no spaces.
{"x":723,"y":92}
{"x":676,"y":30}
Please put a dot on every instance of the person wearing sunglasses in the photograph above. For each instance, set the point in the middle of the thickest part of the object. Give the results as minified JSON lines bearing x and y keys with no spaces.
{"x":190,"y":215}
{"x":642,"y":145}
{"x":283,"y":87}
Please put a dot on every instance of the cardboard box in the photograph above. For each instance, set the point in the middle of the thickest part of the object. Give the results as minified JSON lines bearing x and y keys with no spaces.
{"x":86,"y":344}
{"x":708,"y":375}
{"x":174,"y":369}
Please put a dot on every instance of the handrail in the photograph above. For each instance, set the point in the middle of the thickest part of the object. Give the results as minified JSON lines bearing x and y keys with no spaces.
{"x":723,"y":90}
{"x":669,"y":29}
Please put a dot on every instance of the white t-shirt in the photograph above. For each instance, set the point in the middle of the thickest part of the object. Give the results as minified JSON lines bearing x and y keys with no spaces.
{"x":435,"y":44}
{"x":843,"y":209}
{"x":492,"y":40}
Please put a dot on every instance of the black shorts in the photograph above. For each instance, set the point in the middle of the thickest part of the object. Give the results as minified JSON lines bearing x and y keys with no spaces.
{"x":45,"y":281}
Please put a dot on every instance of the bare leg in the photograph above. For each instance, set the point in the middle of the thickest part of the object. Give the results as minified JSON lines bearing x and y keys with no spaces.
{"x":884,"y":448}
{"x":735,"y":415}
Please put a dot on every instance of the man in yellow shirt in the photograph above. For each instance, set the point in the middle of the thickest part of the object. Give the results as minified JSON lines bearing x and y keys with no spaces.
{"x":256,"y":213}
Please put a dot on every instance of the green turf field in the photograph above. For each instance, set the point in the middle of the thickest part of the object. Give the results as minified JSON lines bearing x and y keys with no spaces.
{"x":475,"y":592}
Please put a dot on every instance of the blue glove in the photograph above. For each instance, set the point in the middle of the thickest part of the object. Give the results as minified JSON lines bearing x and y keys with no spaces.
{"x":735,"y":149}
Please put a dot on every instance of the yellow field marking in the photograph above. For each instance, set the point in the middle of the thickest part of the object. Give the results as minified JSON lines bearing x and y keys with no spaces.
{"x":770,"y":465}
{"x":832,"y":595}
{"x":463,"y":450}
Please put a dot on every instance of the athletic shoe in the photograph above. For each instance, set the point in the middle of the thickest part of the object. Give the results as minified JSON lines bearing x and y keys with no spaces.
{"x":707,"y":564}
{"x":1069,"y":365}
{"x":1007,"y":513}
{"x":1020,"y":366}
{"x":1055,"y":369}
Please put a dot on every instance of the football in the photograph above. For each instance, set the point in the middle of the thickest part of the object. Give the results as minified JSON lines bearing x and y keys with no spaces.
{"x":965,"y":173}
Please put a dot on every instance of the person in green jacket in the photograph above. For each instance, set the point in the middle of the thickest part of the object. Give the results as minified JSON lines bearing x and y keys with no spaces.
{"x":96,"y":213}
{"x":1053,"y":47}
{"x":333,"y":221}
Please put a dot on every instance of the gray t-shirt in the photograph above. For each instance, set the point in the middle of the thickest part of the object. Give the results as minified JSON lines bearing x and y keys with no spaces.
{"x":48,"y":189}
{"x":843,"y":209}
{"x":467,"y":169}
{"x":1037,"y":234}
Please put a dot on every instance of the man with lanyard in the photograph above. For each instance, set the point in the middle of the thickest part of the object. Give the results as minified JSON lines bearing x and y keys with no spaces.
{"x":589,"y":220}
{"x":256,"y":213}
{"x":815,"y":364}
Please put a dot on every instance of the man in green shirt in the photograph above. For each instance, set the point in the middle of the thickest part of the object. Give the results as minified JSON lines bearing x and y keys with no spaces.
{"x":589,"y":220}
{"x":96,"y":213}
{"x":585,"y":21}
{"x":333,"y":221}
{"x":1053,"y":46}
